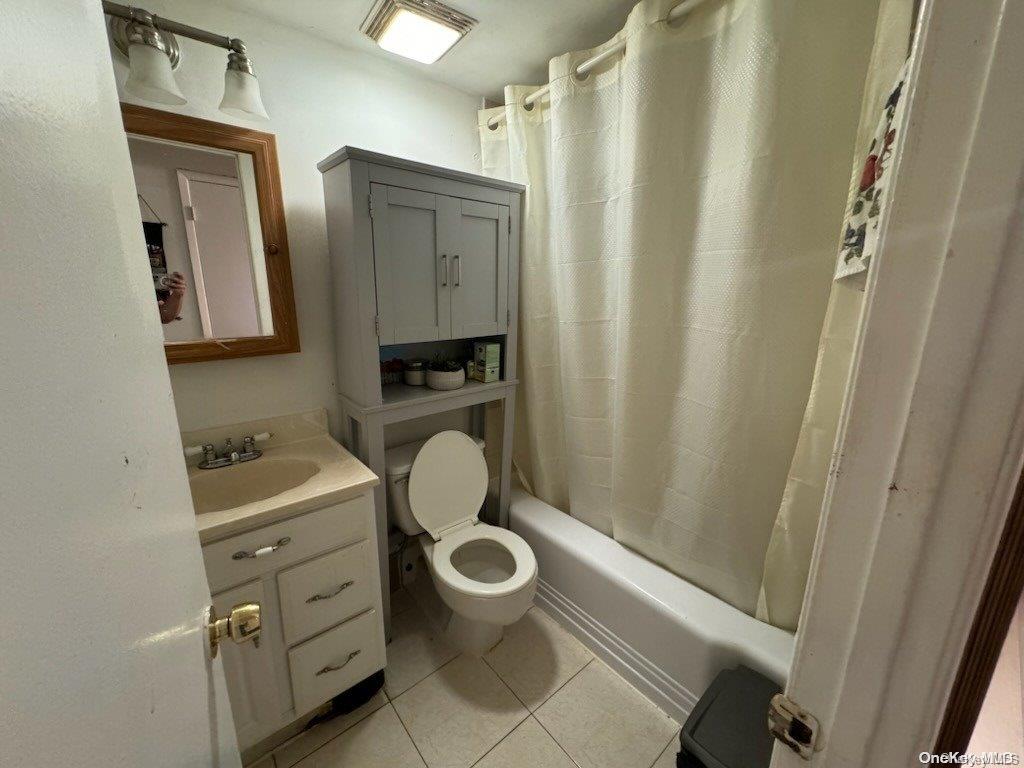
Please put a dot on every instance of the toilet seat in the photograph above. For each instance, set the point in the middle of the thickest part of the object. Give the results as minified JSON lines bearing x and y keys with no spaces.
{"x":447,"y":483}
{"x":525,"y":561}
{"x":447,"y":486}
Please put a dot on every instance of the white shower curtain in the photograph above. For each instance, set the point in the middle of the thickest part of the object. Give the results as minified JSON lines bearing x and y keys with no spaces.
{"x":679,"y":239}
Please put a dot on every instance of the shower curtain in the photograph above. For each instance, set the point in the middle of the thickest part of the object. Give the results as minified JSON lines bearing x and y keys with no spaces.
{"x":678,"y":243}
{"x":788,"y":559}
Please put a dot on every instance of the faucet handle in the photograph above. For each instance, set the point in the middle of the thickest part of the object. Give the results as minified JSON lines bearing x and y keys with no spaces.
{"x":248,"y":444}
{"x":195,"y":450}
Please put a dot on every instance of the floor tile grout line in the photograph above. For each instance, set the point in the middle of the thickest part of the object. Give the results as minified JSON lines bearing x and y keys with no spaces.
{"x":533,"y":712}
{"x":546,"y":698}
{"x":485,"y":754}
{"x":662,"y":752}
{"x":497,"y":674}
{"x":431,"y":674}
{"x":409,"y":734}
{"x":342,"y":733}
{"x":559,"y":744}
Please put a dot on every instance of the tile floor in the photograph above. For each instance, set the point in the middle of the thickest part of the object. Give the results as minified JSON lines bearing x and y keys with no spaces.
{"x":538,"y":699}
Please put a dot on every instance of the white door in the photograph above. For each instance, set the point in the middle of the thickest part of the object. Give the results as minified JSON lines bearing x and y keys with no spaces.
{"x":480,"y":269}
{"x":219,"y":248}
{"x":412,"y":261}
{"x":931,"y":440}
{"x":102,"y":586}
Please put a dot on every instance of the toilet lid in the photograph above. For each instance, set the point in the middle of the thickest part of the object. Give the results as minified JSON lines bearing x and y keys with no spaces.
{"x":448,"y":482}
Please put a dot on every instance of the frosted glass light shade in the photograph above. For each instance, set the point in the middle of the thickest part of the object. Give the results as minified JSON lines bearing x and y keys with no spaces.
{"x":150,"y":76}
{"x":417,"y":37}
{"x":242,"y":95}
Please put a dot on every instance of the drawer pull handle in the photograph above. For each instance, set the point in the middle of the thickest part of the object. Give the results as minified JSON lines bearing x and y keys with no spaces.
{"x":335,"y":593}
{"x":262,"y":551}
{"x":335,"y":668}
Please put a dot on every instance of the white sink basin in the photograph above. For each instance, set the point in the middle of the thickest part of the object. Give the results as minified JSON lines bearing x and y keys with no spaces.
{"x":214,"y":490}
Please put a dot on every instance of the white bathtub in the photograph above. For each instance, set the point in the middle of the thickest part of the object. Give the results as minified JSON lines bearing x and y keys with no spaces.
{"x":666,"y":636}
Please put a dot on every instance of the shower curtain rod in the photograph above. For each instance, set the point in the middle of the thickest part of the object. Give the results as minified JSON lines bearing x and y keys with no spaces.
{"x":584,"y":67}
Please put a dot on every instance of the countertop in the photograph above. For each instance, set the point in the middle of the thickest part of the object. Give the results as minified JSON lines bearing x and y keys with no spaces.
{"x":342,"y":476}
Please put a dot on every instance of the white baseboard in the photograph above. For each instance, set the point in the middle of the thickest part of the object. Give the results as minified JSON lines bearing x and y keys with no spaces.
{"x":645,"y":676}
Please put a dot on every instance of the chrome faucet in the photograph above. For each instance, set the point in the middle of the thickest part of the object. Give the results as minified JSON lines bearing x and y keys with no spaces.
{"x":230,"y":455}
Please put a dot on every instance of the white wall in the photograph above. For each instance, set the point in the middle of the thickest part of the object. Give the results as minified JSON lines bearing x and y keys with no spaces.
{"x":320,"y":97}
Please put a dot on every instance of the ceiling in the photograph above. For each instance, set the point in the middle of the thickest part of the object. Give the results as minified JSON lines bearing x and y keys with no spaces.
{"x":511,"y":44}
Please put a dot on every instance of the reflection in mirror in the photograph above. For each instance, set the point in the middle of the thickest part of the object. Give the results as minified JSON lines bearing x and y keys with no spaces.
{"x":200,"y":217}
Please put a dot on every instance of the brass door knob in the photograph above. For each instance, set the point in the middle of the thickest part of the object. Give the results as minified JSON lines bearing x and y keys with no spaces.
{"x":241,"y":625}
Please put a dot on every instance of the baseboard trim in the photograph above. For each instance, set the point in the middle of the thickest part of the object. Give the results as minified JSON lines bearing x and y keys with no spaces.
{"x":668,"y":694}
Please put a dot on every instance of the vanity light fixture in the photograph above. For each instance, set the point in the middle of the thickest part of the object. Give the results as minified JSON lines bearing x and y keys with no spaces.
{"x":422,"y":30}
{"x":151,"y":56}
{"x":149,"y":43}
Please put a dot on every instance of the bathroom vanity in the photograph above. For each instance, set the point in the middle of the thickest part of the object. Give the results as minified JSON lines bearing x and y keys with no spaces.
{"x":294,"y":531}
{"x":424,"y":261}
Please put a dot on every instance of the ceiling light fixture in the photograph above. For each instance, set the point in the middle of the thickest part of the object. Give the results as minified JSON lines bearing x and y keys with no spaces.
{"x":422,"y":30}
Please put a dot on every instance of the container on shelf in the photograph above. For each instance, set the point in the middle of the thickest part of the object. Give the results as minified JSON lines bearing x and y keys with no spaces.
{"x":445,"y":380}
{"x":415,"y":372}
{"x":391,"y":371}
{"x":487,"y":359}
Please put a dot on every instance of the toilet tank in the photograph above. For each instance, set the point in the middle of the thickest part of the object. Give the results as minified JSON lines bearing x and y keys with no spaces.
{"x":397,"y":466}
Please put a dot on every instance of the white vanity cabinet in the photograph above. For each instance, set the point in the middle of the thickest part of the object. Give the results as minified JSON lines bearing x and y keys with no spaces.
{"x":317,"y":581}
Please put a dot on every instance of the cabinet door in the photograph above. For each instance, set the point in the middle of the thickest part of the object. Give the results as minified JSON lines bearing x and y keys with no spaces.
{"x":249,"y":670}
{"x":412,"y":266}
{"x":480,"y":270}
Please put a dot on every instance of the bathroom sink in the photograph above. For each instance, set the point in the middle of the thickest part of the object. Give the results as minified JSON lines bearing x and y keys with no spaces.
{"x":214,"y":490}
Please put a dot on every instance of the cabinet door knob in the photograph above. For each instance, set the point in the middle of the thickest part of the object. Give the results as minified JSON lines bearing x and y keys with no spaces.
{"x":272,"y":249}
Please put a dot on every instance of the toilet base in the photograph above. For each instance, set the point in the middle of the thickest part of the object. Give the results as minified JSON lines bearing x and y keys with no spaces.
{"x":473,"y":637}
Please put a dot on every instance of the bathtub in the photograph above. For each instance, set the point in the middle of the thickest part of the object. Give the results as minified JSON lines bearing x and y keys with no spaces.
{"x":665,"y":636}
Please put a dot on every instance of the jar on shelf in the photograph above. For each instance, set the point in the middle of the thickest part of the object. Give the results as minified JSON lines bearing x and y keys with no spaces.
{"x":415,"y":372}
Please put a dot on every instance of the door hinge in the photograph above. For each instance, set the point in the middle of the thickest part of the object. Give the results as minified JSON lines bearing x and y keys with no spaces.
{"x":369,"y":204}
{"x":190,"y":213}
{"x":510,"y":225}
{"x":376,"y":325}
{"x":508,"y":317}
{"x":793,"y":725}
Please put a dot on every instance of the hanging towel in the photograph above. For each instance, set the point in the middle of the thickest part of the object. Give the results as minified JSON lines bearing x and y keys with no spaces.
{"x":869,"y":197}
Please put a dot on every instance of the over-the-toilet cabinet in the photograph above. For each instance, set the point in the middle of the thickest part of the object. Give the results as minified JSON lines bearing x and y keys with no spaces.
{"x":441,"y":265}
{"x":424,"y":256}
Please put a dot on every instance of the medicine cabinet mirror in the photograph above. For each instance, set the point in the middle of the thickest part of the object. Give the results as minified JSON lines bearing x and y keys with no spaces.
{"x":209,"y":198}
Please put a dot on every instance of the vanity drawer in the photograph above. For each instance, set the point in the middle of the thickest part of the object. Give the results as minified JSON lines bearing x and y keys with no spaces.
{"x":325,"y":591}
{"x":325,"y":666}
{"x":248,"y":555}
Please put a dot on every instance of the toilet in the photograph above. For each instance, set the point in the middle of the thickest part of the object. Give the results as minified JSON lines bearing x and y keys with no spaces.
{"x":486,"y":575}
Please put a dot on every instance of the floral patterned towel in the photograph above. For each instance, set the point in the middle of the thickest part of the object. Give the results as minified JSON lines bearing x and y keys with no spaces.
{"x":868,"y":198}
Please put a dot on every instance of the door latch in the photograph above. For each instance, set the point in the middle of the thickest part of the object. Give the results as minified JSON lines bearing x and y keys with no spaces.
{"x":241,"y":625}
{"x":793,"y":725}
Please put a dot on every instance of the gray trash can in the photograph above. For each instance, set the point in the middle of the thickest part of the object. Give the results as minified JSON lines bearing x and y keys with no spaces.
{"x":729,"y":726}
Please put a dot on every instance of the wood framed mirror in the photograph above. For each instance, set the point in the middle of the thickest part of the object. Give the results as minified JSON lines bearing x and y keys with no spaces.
{"x":213,"y":217}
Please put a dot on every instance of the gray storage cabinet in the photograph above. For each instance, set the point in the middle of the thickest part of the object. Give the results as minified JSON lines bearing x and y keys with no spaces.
{"x":418,"y":254}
